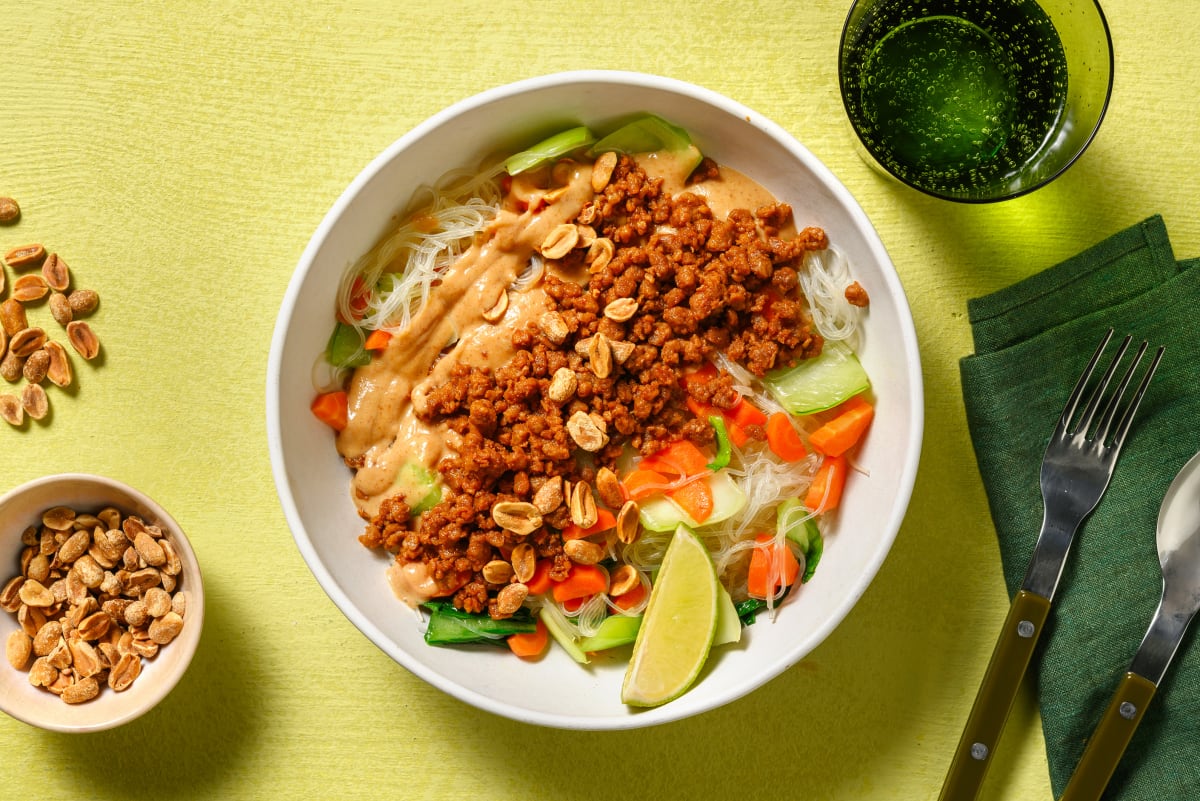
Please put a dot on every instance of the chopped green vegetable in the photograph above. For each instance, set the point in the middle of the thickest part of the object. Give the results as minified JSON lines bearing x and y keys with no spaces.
{"x":819,"y":383}
{"x":644,"y":135}
{"x":649,"y":134}
{"x":724,"y":450}
{"x":794,"y":520}
{"x":557,"y":146}
{"x":345,"y":348}
{"x":748,"y":609}
{"x":614,"y":631}
{"x":813,"y":555}
{"x":563,"y":633}
{"x":451,"y":626}
{"x":419,"y":487}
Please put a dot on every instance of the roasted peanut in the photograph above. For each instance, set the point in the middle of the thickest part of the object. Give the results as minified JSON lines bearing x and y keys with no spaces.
{"x":549,"y":496}
{"x":83,"y":301}
{"x":56,"y":273}
{"x":36,"y":365}
{"x":25,"y":256}
{"x":621,"y":309}
{"x":517,"y":516}
{"x":34,"y":401}
{"x":10,"y":210}
{"x":83,"y":339}
{"x":58,"y":367}
{"x":29,"y":288}
{"x":11,"y":410}
{"x":609,"y":488}
{"x":509,"y":599}
{"x":583,"y":552}
{"x":602,"y":170}
{"x":585,"y":432}
{"x":561,"y":240}
{"x":629,"y":525}
{"x":12,"y":316}
{"x":26,"y":341}
{"x":563,"y":384}
{"x":60,"y":308}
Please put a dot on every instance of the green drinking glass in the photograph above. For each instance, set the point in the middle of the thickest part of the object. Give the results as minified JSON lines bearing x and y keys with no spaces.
{"x":975,"y":100}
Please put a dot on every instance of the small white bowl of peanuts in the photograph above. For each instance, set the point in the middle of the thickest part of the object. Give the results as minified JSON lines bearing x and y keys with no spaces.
{"x":101,"y":603}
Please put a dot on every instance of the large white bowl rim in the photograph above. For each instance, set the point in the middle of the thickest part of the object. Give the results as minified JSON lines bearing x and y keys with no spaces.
{"x":554,"y":691}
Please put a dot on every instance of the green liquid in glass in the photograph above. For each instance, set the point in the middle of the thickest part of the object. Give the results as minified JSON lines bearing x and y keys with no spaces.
{"x":963,"y":97}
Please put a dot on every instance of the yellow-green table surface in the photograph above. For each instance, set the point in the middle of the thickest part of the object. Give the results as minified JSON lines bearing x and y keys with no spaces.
{"x":180,"y":155}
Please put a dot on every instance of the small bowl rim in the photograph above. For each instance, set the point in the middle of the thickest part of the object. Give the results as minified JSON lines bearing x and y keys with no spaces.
{"x":195,"y":612}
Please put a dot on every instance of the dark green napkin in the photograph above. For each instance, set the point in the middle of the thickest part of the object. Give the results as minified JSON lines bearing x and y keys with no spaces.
{"x":1032,"y":341}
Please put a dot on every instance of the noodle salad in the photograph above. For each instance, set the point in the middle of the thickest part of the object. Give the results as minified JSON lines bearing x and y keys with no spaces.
{"x":554,"y":362}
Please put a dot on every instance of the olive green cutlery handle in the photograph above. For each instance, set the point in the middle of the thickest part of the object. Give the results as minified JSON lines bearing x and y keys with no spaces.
{"x":1108,"y":742}
{"x":1022,"y":627}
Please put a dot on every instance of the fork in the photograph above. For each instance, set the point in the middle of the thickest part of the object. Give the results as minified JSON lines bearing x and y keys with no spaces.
{"x":1075,"y":472}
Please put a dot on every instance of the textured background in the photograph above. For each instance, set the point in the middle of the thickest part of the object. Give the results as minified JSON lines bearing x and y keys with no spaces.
{"x":179,"y":155}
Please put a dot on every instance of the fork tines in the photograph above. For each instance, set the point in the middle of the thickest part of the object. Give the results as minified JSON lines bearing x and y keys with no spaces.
{"x":1083,"y":428}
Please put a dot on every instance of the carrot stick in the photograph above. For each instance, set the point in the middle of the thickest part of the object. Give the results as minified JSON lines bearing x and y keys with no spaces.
{"x":377,"y":340}
{"x":737,"y":434}
{"x":331,"y":409}
{"x":540,"y":583}
{"x":844,"y":431}
{"x":696,"y":498}
{"x":644,"y":483}
{"x":604,"y":521}
{"x":782,"y":438}
{"x":826,"y":489}
{"x":773,"y":566}
{"x":531,"y":644}
{"x":581,"y":581}
{"x":745,"y":413}
{"x":680,"y":458}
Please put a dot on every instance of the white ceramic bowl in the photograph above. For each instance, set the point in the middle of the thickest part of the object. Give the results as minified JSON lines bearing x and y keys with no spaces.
{"x":313,"y":483}
{"x":23,"y":507}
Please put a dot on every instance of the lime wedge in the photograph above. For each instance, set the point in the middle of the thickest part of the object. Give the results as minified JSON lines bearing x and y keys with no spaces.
{"x":678,"y":625}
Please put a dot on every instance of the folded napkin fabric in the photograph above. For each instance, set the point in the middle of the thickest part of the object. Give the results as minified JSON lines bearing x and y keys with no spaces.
{"x":1032,"y":341}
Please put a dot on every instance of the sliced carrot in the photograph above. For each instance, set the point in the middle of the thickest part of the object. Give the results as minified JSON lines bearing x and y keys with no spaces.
{"x":573,"y":604}
{"x":331,"y":409}
{"x":377,"y":340}
{"x":581,"y":581}
{"x":737,"y":434}
{"x":826,"y":490}
{"x":782,"y":438}
{"x":540,"y":583}
{"x":745,"y":413}
{"x":773,"y":566}
{"x":696,"y":498}
{"x":701,"y":375}
{"x":644,"y":483}
{"x":531,"y":644}
{"x":630,"y":599}
{"x":360,"y":297}
{"x":604,"y":521}
{"x":844,"y":430}
{"x":680,"y":458}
